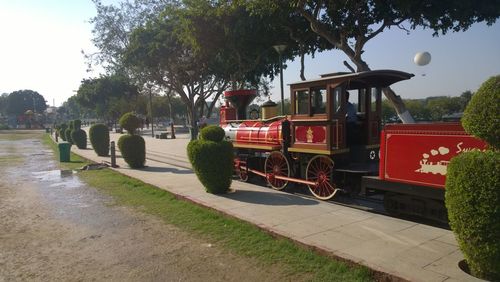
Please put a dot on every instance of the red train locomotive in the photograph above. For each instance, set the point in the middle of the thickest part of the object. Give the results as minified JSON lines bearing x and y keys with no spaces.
{"x":332,"y":145}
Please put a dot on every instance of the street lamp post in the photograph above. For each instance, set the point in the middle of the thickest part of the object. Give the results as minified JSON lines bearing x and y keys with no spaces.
{"x":280,"y":49}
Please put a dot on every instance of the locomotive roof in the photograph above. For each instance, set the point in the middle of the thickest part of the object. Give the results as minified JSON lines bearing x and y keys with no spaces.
{"x":374,"y":78}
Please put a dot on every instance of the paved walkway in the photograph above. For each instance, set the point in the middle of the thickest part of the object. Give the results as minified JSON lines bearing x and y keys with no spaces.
{"x":405,"y":249}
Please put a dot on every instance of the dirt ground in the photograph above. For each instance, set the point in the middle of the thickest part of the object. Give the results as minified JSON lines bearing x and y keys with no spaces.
{"x":53,"y":227}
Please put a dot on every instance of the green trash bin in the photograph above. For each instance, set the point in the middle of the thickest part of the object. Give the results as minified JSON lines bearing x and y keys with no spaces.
{"x":47,"y":130}
{"x":64,"y":151}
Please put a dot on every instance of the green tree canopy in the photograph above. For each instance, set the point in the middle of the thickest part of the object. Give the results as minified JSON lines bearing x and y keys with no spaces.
{"x":71,"y":109}
{"x":18,"y":102}
{"x":157,"y":51}
{"x":108,"y":96}
{"x":112,"y":26}
{"x":3,"y":103}
{"x":440,"y":106}
{"x":234,"y":44}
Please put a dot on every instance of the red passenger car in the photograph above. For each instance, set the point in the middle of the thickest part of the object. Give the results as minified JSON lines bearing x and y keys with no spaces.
{"x":413,"y":165}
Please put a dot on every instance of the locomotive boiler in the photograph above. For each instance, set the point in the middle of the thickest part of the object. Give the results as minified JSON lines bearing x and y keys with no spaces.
{"x":320,"y":146}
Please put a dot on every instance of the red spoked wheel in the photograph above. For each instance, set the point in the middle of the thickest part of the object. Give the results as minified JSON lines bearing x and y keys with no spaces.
{"x":243,"y":172}
{"x":320,"y":170}
{"x":277,"y":165}
{"x":241,"y":169}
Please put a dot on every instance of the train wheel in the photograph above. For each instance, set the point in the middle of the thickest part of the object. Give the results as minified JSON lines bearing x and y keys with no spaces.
{"x":243,"y":174}
{"x":241,"y":169}
{"x":320,"y":170}
{"x":277,"y":165}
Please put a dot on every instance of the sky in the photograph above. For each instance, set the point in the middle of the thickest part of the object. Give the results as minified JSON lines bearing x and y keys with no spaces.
{"x":41,"y":43}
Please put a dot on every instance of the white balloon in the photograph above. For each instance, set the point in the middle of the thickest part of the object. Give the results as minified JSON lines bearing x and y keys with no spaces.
{"x":422,"y":58}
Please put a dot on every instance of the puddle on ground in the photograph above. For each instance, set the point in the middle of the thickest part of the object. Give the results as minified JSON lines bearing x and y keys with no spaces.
{"x":66,"y":190}
{"x":53,"y":175}
{"x":68,"y":197}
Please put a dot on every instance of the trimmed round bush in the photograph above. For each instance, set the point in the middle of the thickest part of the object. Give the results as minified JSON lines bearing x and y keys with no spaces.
{"x":67,"y":134}
{"x":133,"y":149}
{"x":62,"y":131}
{"x":130,"y":122}
{"x":473,"y":202}
{"x":481,"y":117}
{"x":99,"y":138}
{"x":79,"y":137}
{"x":77,"y":124}
{"x":81,"y":141}
{"x":212,"y":163}
{"x":212,"y":133}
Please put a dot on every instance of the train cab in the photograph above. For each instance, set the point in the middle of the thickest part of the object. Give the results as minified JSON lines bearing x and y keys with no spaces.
{"x":340,"y":112}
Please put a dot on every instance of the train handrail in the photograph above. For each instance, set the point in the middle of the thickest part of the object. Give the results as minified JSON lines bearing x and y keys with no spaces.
{"x":256,"y":120}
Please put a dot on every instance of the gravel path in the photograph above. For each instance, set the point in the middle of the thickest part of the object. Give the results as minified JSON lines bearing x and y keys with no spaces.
{"x":55,"y":228}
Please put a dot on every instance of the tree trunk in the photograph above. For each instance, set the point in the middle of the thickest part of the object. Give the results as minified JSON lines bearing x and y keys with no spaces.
{"x":193,"y":121}
{"x":169,"y":100}
{"x":202,"y":107}
{"x":193,"y":115}
{"x":211,"y":107}
{"x":200,"y":102}
{"x":396,"y":101}
{"x":302,"y":76}
{"x":398,"y":105}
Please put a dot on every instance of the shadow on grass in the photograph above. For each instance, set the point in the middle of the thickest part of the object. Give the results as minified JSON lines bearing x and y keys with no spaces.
{"x":269,"y":198}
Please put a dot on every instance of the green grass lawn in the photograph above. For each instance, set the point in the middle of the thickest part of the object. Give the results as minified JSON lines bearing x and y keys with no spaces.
{"x":13,"y":135}
{"x":229,"y":233}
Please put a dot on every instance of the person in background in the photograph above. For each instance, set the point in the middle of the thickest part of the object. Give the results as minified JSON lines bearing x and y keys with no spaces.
{"x":254,"y":114}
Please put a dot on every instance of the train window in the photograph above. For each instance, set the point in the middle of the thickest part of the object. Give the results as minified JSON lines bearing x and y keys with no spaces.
{"x":374,"y":93}
{"x":353,"y":98}
{"x":318,"y":96}
{"x":336,"y":101}
{"x":302,"y":102}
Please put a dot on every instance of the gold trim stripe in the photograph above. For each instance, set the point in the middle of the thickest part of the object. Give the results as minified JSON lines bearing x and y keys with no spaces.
{"x":254,"y":146}
{"x":318,"y":151}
